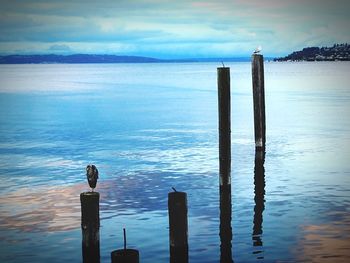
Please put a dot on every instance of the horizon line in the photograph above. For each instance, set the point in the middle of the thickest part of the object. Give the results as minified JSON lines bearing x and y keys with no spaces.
{"x":136,"y":56}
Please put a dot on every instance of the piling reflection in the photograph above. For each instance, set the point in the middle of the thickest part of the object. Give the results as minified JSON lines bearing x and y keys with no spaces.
{"x":225,"y":224}
{"x":259,"y":198}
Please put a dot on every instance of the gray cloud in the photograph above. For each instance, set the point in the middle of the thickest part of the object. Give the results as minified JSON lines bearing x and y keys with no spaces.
{"x":279,"y":26}
{"x":60,"y":48}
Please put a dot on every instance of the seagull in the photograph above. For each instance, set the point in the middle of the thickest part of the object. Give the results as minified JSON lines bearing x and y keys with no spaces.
{"x":92,"y":175}
{"x":257,"y":50}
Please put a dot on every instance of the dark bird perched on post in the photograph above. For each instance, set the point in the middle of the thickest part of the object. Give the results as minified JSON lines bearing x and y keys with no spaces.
{"x":92,"y":175}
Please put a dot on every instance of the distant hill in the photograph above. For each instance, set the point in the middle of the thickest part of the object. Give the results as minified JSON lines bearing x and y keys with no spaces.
{"x":77,"y":58}
{"x":338,"y":52}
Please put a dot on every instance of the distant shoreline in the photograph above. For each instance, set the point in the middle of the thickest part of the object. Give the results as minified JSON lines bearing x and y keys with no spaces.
{"x":107,"y":59}
{"x":338,"y":52}
{"x":114,"y":59}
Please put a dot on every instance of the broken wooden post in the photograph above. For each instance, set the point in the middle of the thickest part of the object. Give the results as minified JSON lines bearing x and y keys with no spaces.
{"x":224,"y":104}
{"x":125,"y":255}
{"x":178,"y":226}
{"x":259,"y":101}
{"x":90,"y":226}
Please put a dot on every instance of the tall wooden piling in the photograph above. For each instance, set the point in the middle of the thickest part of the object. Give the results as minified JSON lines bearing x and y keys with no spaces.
{"x":259,"y":101}
{"x":90,"y":225}
{"x":178,"y":227}
{"x":224,"y":104}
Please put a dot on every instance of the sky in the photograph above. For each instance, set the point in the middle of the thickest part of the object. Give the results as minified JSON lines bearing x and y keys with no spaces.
{"x":171,"y":28}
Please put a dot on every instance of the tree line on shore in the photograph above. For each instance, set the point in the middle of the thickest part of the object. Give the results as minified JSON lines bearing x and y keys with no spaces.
{"x":338,"y":52}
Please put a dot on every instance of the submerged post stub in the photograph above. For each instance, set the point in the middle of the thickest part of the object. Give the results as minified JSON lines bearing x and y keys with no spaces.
{"x":90,"y":224}
{"x":259,"y":101}
{"x":178,"y":226}
{"x":125,"y":255}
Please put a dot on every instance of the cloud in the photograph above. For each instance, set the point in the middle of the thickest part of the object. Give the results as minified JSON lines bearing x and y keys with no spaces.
{"x":59,"y":48}
{"x":280,"y":26}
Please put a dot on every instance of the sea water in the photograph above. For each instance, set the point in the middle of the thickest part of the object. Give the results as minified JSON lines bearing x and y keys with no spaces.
{"x":151,"y":127}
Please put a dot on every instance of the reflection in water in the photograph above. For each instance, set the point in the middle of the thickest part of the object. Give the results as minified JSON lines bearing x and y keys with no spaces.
{"x":42,"y":209}
{"x":259,"y":198}
{"x":46,"y":141}
{"x":328,"y":242}
{"x":225,"y":224}
{"x":57,"y":208}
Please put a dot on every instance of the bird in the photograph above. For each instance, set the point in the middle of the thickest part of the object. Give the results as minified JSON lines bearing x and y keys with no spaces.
{"x":257,"y":50}
{"x":92,"y":175}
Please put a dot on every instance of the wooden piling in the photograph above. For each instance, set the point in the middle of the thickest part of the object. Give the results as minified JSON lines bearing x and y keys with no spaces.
{"x":178,"y":227}
{"x":90,"y":225}
{"x":224,"y":104}
{"x":259,"y":101}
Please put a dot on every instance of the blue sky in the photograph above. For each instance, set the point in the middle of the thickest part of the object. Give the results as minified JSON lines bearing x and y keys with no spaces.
{"x":171,"y":29}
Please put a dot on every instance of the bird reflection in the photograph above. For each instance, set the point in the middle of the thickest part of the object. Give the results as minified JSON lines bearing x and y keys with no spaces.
{"x":259,"y":198}
{"x":225,"y":224}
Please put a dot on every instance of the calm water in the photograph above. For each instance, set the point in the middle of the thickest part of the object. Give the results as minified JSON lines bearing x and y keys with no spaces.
{"x":148,"y":127}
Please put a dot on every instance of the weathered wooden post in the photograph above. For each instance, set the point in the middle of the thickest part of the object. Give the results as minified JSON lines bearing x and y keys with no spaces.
{"x":224,"y":104}
{"x":125,"y":255}
{"x":259,"y":101}
{"x":259,"y":198}
{"x":178,"y":226}
{"x":90,"y":225}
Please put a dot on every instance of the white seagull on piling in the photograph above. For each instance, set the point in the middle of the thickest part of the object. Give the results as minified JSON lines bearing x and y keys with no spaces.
{"x":258,"y":50}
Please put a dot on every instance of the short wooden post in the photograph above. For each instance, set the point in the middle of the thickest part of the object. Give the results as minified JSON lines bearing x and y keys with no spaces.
{"x":125,"y":255}
{"x":259,"y":198}
{"x":259,"y":101}
{"x":224,"y":103}
{"x":90,"y":225}
{"x":178,"y":226}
